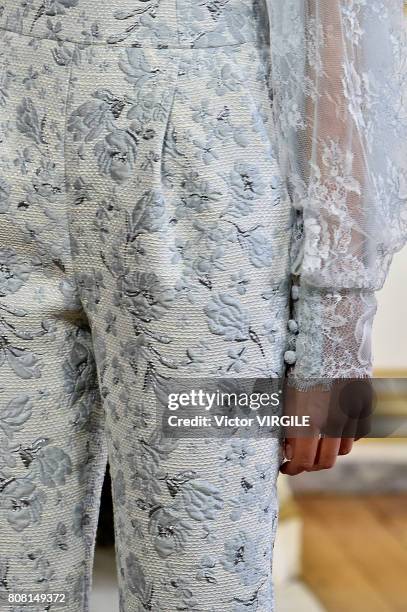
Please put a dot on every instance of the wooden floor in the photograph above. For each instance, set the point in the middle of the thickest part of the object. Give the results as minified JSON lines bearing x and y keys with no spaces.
{"x":355,"y":551}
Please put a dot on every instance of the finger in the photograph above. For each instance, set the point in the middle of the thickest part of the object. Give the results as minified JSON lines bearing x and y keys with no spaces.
{"x":349,"y":429}
{"x":345,"y":446}
{"x":364,"y":428}
{"x":364,"y":421}
{"x":327,"y":453}
{"x":303,"y":452}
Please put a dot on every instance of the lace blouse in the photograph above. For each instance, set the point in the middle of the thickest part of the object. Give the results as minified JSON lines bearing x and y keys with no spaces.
{"x":339,"y":87}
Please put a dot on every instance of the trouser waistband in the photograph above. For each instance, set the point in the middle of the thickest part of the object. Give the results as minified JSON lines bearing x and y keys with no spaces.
{"x":137,"y":23}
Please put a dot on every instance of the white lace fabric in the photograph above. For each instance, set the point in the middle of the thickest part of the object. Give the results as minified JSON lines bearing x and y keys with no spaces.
{"x":339,"y":87}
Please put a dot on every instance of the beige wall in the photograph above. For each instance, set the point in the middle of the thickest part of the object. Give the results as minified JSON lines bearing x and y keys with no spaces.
{"x":390,"y":326}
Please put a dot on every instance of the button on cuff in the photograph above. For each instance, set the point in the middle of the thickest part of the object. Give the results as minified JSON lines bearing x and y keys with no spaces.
{"x":293,"y":326}
{"x":295,"y":292}
{"x":290,"y":357}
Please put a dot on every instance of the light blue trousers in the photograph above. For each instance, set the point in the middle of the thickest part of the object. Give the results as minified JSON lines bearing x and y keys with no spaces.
{"x":144,"y":235}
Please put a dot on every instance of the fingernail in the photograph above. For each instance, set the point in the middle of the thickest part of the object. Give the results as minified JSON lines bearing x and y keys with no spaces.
{"x":288,"y":452}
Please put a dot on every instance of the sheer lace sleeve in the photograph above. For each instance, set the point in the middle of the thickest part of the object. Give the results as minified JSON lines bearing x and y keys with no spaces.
{"x":339,"y":74}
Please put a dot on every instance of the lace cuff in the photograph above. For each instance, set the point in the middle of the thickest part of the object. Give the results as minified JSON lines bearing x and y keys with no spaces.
{"x":330,"y":335}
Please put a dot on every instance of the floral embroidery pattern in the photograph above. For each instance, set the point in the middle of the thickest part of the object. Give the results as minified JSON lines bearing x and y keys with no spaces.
{"x":145,"y":235}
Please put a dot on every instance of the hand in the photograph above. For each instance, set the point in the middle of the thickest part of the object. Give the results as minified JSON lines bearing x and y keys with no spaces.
{"x":341,"y":413}
{"x":312,"y":454}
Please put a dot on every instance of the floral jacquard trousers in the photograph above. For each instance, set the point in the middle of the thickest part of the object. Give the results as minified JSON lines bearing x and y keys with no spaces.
{"x":144,"y":235}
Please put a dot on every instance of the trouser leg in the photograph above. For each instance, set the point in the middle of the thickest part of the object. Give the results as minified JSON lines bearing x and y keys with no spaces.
{"x":52,"y":447}
{"x":181,"y":232}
